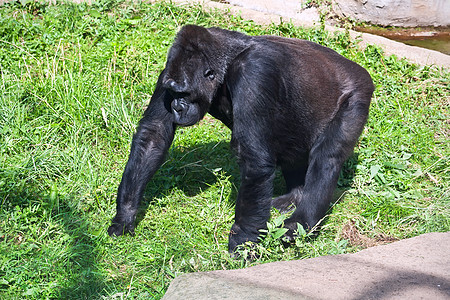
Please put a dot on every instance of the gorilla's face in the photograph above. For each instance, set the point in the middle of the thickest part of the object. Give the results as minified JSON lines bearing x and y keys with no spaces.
{"x":191,"y":82}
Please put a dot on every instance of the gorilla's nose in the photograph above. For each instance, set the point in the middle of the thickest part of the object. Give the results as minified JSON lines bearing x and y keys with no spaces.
{"x":173,"y":86}
{"x":170,"y":84}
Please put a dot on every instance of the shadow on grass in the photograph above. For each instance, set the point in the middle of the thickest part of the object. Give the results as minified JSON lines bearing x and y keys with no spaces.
{"x":86,"y":279}
{"x":193,"y":170}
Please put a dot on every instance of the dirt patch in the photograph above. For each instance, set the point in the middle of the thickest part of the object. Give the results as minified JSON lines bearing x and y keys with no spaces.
{"x":355,"y":238}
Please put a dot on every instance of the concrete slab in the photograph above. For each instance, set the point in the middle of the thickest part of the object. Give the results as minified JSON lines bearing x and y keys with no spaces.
{"x":416,"y":268}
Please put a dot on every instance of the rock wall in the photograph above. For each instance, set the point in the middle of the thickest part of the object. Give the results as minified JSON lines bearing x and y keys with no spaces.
{"x":404,"y":13}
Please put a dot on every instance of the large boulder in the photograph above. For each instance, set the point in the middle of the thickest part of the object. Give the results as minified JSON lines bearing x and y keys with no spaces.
{"x":403,"y":13}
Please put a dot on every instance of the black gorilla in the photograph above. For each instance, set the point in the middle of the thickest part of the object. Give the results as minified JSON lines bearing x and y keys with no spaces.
{"x":289,"y":103}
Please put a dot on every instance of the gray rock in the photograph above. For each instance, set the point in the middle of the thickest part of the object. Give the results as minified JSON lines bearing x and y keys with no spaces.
{"x":416,"y":268}
{"x":404,"y":13}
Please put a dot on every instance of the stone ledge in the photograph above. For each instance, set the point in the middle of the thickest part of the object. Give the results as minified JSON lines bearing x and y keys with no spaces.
{"x":415,"y":268}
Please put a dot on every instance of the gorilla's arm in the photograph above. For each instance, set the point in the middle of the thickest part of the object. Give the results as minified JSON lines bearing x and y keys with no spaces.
{"x":153,"y":138}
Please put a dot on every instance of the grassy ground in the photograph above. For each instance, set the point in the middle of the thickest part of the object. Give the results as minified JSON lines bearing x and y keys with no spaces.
{"x":74,"y":82}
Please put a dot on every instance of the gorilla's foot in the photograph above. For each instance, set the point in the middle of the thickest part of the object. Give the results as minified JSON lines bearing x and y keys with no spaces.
{"x":284,"y":204}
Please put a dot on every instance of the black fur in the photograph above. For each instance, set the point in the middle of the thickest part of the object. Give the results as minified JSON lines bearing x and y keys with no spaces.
{"x":289,"y":103}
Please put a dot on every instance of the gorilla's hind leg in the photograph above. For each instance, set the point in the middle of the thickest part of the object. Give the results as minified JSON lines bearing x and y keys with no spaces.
{"x":326,"y":158}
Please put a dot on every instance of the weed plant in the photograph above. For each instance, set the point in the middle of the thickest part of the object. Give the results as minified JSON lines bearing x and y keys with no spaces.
{"x":74,"y":81}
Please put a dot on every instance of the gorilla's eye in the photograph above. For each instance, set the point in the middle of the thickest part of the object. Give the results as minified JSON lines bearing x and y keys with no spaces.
{"x":210,"y":74}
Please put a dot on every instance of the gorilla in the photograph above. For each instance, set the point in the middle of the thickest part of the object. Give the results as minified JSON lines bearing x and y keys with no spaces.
{"x":290,"y":103}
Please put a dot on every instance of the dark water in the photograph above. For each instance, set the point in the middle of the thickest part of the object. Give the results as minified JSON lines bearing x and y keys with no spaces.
{"x":438,"y":44}
{"x":434,"y":39}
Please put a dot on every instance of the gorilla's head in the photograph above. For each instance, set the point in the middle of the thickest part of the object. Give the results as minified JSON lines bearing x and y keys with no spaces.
{"x":194,"y":71}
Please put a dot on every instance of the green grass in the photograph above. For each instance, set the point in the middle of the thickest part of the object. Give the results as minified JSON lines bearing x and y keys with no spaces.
{"x":74,"y":82}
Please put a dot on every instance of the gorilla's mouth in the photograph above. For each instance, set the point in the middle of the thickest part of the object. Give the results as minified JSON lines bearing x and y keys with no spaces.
{"x":179,"y":106}
{"x":185,"y":113}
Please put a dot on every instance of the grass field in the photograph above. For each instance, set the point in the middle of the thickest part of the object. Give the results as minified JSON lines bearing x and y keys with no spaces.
{"x":75,"y":80}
